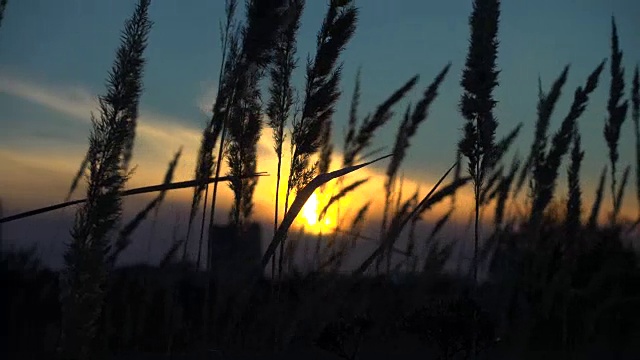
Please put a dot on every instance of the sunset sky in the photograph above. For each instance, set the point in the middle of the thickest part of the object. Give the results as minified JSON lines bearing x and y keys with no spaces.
{"x":54,"y":58}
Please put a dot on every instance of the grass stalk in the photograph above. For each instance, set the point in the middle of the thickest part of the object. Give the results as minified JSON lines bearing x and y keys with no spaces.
{"x":413,"y":118}
{"x":617,"y":113}
{"x":574,"y":202}
{"x":85,"y":270}
{"x":597,"y":202}
{"x":545,"y":171}
{"x":635,"y":115}
{"x":479,"y":78}
{"x":321,"y":94}
{"x":281,"y":90}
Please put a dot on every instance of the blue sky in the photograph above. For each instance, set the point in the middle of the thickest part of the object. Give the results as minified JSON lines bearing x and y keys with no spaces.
{"x":54,"y":56}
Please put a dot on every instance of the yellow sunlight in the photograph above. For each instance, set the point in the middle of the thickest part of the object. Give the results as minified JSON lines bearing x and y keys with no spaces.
{"x":310,"y":210}
{"x":309,"y":217}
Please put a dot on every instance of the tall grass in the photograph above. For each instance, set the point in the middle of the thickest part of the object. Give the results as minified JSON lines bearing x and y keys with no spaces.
{"x":249,"y":56}
{"x":250,"y":53}
{"x":547,"y":163}
{"x":546,"y":105}
{"x":503,"y":191}
{"x":574,"y":202}
{"x":110,"y":149}
{"x":282,"y":94}
{"x":635,"y":115}
{"x":413,"y":117}
{"x":244,"y":119}
{"x":320,"y":95}
{"x":597,"y":202}
{"x":479,"y":79}
{"x":205,"y":162}
{"x":244,"y":131}
{"x":124,"y":236}
{"x":359,"y":135}
{"x":401,"y":218}
{"x":1,"y":232}
{"x":617,"y":113}
{"x":553,"y":282}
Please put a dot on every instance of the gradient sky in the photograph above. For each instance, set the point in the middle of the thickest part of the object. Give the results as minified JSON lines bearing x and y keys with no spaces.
{"x":54,"y":56}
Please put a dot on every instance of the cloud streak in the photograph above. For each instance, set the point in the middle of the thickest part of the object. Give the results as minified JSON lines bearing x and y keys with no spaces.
{"x":158,"y":136}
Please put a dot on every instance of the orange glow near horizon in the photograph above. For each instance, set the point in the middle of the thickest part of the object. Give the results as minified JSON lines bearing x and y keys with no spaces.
{"x":310,"y":210}
{"x":40,"y":174}
{"x":309,"y":217}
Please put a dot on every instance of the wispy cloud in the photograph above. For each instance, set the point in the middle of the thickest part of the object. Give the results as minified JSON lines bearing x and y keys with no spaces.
{"x":78,"y":102}
{"x":206,"y":100}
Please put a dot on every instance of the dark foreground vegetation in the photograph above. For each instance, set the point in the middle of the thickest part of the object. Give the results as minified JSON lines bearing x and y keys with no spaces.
{"x":550,"y":281}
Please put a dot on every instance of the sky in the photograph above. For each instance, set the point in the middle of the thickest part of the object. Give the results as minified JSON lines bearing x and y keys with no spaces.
{"x":54,"y":58}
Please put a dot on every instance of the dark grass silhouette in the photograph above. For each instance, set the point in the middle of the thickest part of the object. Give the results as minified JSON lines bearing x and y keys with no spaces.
{"x":617,"y":113}
{"x":86,"y":267}
{"x":548,"y":280}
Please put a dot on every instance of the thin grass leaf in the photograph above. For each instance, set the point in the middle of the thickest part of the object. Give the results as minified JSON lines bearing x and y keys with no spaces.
{"x":360,"y":215}
{"x":413,"y":117}
{"x":635,"y":115}
{"x":503,"y":190}
{"x":620,"y":194}
{"x":595,"y":209}
{"x":491,"y":185}
{"x":399,"y":214}
{"x":617,"y":112}
{"x":1,"y":233}
{"x":213,"y":129}
{"x":371,"y":153}
{"x":437,"y":257}
{"x":442,"y":221}
{"x":505,"y":143}
{"x":124,"y":237}
{"x":412,"y":120}
{"x":170,"y":254}
{"x":546,"y":105}
{"x":136,"y":191}
{"x":356,"y":143}
{"x":457,"y":173}
{"x":326,"y":149}
{"x":342,"y":193}
{"x":545,"y":170}
{"x":76,"y":179}
{"x":445,"y":192}
{"x":574,"y":203}
{"x":233,"y":81}
{"x":353,"y":115}
{"x":301,"y":198}
{"x":411,"y":259}
{"x":359,"y":220}
{"x":395,"y":231}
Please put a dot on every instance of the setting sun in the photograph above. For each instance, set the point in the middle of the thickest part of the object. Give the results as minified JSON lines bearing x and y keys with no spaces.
{"x":310,"y":210}
{"x":310,"y":213}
